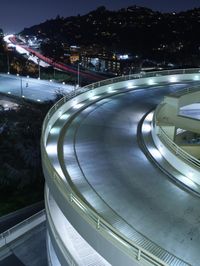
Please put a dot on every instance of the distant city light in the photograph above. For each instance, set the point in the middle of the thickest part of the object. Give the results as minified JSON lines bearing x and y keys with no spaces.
{"x":123,"y":57}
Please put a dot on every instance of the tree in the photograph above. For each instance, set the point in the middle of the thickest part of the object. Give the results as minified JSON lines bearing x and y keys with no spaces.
{"x":53,"y":49}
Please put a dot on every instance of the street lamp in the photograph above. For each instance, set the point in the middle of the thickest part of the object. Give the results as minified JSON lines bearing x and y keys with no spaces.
{"x":54,"y":73}
{"x":38,"y":60}
{"x":21,"y":87}
{"x":8,"y":63}
{"x":78,"y":77}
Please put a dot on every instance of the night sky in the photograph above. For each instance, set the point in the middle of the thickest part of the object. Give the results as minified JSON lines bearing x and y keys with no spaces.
{"x":17,"y":14}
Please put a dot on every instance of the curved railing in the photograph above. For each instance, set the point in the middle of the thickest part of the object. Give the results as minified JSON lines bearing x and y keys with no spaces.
{"x":178,"y":151}
{"x":84,"y":209}
{"x":115,"y":80}
{"x":21,"y":228}
{"x":75,"y":200}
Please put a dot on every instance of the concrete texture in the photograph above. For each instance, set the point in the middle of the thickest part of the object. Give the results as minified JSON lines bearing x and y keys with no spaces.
{"x":29,"y":250}
{"x":115,"y":167}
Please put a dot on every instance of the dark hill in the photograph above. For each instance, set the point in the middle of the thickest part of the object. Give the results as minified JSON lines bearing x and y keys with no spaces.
{"x":134,"y":29}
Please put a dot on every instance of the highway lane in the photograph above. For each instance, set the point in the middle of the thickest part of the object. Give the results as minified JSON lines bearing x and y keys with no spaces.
{"x":110,"y":158}
{"x":13,"y":218}
{"x":61,"y":66}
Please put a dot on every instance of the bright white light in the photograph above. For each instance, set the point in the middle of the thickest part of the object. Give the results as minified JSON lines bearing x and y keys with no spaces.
{"x":187,"y":181}
{"x":151,"y":82}
{"x":64,"y":117}
{"x":155,"y":153}
{"x":146,"y":127}
{"x":17,"y":75}
{"x":63,"y":83}
{"x":38,"y":100}
{"x":38,"y":78}
{"x":27,"y":77}
{"x":111,"y":91}
{"x":196,"y":77}
{"x":8,"y":73}
{"x":173,"y":79}
{"x":54,"y":130}
{"x":190,"y":174}
{"x":123,"y":57}
{"x":9,"y":92}
{"x":21,"y":50}
{"x":6,"y":38}
{"x":149,"y":117}
{"x":95,"y":97}
{"x":50,"y":80}
{"x":79,"y":105}
{"x":131,"y":85}
{"x":23,"y":96}
{"x":11,"y":45}
{"x":51,"y":149}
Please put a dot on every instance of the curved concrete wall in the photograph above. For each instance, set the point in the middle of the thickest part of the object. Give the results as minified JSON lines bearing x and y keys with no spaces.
{"x":111,"y":244}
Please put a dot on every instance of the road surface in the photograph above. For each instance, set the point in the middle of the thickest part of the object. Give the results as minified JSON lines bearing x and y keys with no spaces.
{"x":112,"y":162}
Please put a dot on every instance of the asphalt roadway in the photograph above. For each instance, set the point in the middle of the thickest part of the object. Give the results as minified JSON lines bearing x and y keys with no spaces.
{"x":115,"y":167}
{"x":33,"y":89}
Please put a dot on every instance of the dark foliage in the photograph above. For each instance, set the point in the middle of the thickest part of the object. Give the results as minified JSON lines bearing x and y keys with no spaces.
{"x":170,"y":36}
{"x":20,"y":161}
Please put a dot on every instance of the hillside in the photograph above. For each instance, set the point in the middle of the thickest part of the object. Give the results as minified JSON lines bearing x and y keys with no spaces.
{"x":135,"y":29}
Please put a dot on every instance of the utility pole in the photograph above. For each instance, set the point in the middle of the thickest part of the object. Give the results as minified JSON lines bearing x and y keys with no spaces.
{"x":78,"y":78}
{"x":21,"y":87}
{"x":8,"y":63}
{"x":38,"y":68}
{"x":54,"y":73}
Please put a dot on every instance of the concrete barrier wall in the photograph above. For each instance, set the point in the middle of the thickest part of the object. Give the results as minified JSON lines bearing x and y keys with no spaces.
{"x":82,"y":223}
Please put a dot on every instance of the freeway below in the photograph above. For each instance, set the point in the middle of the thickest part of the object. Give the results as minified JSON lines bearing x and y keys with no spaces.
{"x":32,"y":89}
{"x":107,"y":150}
{"x":49,"y":61}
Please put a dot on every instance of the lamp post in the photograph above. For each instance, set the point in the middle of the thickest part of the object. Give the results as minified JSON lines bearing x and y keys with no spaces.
{"x":78,"y":75}
{"x":38,"y":60}
{"x":21,"y":87}
{"x":54,"y":73}
{"x":8,"y":63}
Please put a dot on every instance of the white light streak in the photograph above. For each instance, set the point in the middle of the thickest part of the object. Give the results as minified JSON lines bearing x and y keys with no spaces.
{"x":51,"y":149}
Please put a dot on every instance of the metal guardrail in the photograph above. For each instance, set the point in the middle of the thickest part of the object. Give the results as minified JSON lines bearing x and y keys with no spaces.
{"x":185,"y":91}
{"x":8,"y":233}
{"x":115,"y":80}
{"x":167,"y":140}
{"x":76,"y":202}
{"x":101,"y":224}
{"x":177,"y":150}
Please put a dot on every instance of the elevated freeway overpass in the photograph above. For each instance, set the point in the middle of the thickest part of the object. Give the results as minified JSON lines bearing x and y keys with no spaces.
{"x":104,"y":191}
